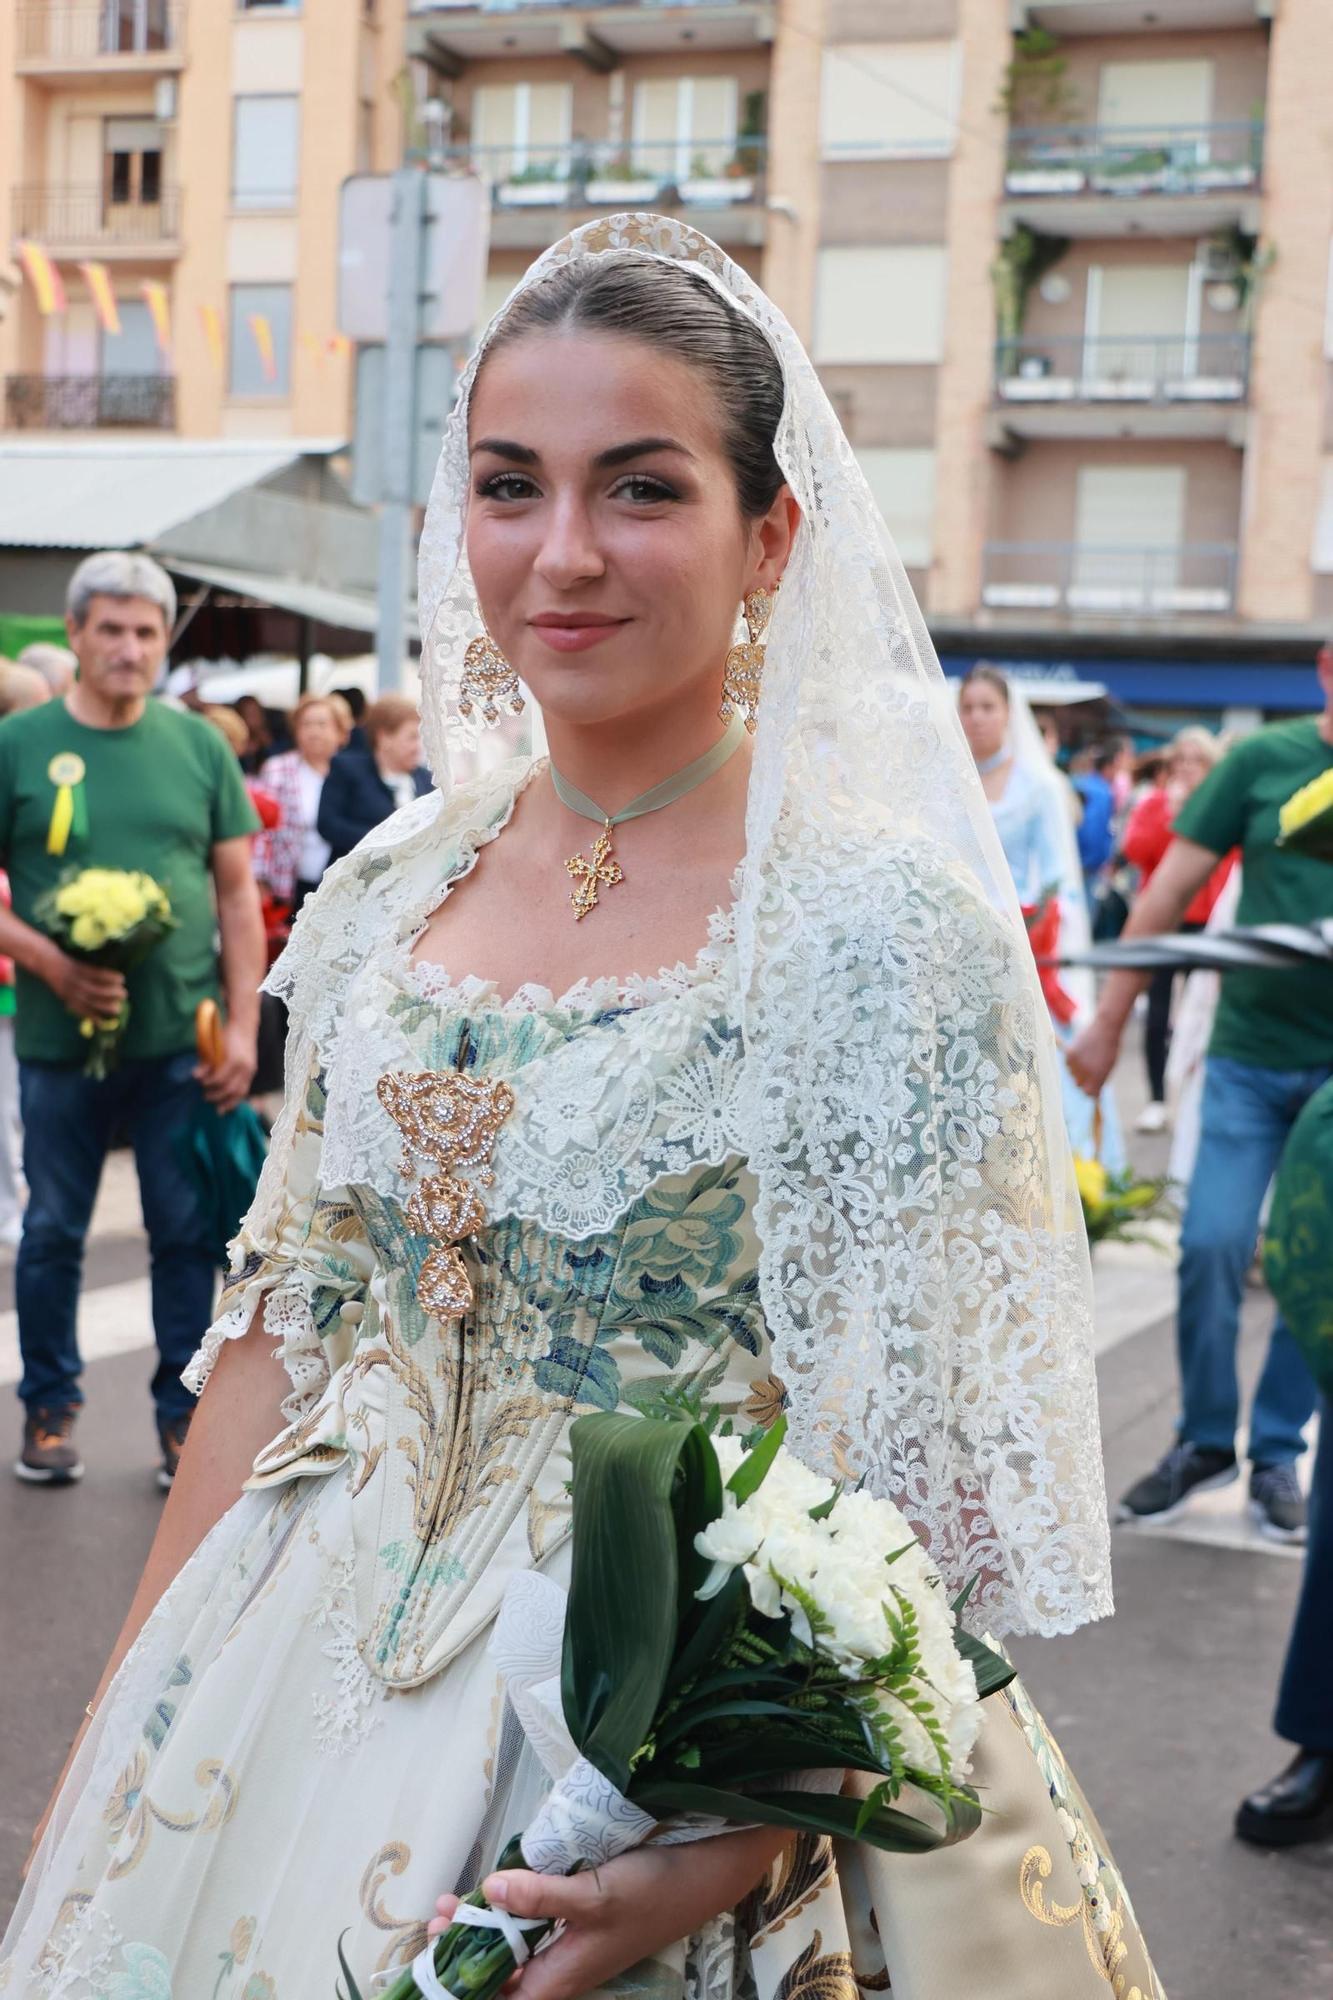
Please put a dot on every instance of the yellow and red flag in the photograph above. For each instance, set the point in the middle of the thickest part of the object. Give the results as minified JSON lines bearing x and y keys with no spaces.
{"x":43,"y":276}
{"x":261,"y":326}
{"x":338,"y":343}
{"x":210,"y":319}
{"x":158,"y":302}
{"x":98,"y":280}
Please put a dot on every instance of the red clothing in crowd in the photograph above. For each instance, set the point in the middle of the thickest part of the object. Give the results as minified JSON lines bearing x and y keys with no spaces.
{"x":1146,"y":838}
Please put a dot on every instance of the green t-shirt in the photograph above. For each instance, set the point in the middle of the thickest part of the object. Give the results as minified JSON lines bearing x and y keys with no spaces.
{"x":159,"y":795}
{"x":1273,"y":1019}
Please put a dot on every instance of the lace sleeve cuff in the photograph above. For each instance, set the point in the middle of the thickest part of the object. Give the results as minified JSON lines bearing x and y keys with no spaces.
{"x":304,"y":1313}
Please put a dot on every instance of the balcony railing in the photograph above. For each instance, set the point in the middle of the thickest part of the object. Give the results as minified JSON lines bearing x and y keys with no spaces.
{"x":56,"y":215}
{"x":1165,"y":581}
{"x":90,"y":402}
{"x":556,"y":6}
{"x":1133,"y":161}
{"x":715,"y":173}
{"x":84,"y":30}
{"x":1066,"y":368}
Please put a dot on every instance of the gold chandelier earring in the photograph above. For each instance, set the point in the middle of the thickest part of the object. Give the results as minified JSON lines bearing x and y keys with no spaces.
{"x":488,"y":680}
{"x":745,"y":662}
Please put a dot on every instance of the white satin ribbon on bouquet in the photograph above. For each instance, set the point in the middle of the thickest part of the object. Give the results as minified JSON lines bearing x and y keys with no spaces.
{"x":584,"y":1819}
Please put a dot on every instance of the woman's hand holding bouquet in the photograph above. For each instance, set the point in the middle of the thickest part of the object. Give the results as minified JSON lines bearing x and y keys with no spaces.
{"x":739,"y":1634}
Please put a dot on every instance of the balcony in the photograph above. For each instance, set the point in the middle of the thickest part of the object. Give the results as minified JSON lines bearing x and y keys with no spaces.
{"x":90,"y":402}
{"x":70,"y":220}
{"x":538,"y":194}
{"x":1110,"y":582}
{"x":1100,"y":180}
{"x":85,"y":39}
{"x":601,"y":33}
{"x":1167,"y":387}
{"x":1131,"y":17}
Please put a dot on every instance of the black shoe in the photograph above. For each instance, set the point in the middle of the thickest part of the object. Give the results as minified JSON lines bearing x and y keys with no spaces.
{"x":1277,"y":1503}
{"x":1186,"y":1469}
{"x":171,"y":1432}
{"x":1295,"y":1807}
{"x":50,"y":1456}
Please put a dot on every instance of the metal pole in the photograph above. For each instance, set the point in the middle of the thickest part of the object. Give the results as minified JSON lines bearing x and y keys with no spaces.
{"x":405,"y":258}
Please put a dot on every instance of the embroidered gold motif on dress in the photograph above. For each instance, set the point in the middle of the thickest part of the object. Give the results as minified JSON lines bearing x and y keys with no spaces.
{"x":454,"y":1120}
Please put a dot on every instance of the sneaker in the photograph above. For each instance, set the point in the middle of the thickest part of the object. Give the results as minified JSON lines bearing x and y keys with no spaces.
{"x":1277,"y":1503}
{"x":1152,"y":1118}
{"x":171,"y":1433}
{"x":1187,"y":1469}
{"x":50,"y":1456}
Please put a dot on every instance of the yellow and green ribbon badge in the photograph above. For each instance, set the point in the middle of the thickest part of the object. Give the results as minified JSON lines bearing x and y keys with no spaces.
{"x":69,"y":813}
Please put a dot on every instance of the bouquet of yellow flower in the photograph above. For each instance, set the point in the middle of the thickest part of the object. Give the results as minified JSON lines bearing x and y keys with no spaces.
{"x":1115,"y":1206}
{"x":1305,"y":822}
{"x":112,"y":917}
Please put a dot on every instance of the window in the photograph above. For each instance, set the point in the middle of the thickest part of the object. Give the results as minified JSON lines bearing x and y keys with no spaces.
{"x":265,"y":144}
{"x":903,"y":483}
{"x":132,"y":351}
{"x":132,"y":162}
{"x":132,"y":25}
{"x":260,"y":340}
{"x":889,"y":100}
{"x":880,"y":304}
{"x":1155,"y":97}
{"x":684,"y":126}
{"x":270,"y":6}
{"x":522,"y":128}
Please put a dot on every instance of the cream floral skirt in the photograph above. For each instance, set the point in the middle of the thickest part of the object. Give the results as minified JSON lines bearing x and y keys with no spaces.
{"x":248,"y":1793}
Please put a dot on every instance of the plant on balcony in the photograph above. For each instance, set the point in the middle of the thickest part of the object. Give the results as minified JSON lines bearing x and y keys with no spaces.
{"x":1024,"y":258}
{"x":1253,"y":261}
{"x":1036,"y":89}
{"x":749,"y":156}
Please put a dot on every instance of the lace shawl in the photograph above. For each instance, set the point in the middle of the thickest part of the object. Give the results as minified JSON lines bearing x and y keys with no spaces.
{"x":927,"y":1303}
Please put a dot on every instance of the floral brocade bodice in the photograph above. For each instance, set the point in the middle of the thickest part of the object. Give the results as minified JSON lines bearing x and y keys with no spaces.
{"x":453,"y":1432}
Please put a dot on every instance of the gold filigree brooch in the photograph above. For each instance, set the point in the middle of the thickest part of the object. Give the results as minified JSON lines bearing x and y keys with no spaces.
{"x":453,"y":1120}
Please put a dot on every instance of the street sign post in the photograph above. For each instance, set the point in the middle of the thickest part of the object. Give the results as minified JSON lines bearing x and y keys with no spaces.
{"x":411,"y":260}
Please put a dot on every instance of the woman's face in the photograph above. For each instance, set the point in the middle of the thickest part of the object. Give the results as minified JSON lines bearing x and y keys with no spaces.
{"x":400,"y":749}
{"x":317,"y":733}
{"x":985,"y":718}
{"x":603,"y":531}
{"x":1189,"y":767}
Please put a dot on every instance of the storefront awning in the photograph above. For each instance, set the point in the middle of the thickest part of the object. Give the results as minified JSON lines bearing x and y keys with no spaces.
{"x":1276,"y":686}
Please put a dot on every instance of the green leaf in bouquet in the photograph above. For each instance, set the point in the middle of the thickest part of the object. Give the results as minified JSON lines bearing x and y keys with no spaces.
{"x":641,"y":1490}
{"x":992,"y":1670}
{"x":749,"y":1474}
{"x":819,"y":1812}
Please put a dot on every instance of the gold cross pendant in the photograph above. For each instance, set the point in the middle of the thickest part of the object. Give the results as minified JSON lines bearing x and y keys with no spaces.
{"x":601,"y":871}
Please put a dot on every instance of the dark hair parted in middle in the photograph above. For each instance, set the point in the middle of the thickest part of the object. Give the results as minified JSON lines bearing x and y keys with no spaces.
{"x":676,"y":311}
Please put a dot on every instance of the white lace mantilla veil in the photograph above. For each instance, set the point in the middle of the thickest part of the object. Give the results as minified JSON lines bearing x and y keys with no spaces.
{"x":923,"y":1269}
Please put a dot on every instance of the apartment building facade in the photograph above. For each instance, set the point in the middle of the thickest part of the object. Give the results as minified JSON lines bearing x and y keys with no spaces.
{"x":1062,"y":264}
{"x":191,"y":151}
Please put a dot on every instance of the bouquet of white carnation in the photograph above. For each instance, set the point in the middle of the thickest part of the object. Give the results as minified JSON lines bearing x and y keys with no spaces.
{"x":739,"y":1634}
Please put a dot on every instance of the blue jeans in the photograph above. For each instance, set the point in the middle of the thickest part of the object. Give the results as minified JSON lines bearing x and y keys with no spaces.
{"x":1305,"y":1699}
{"x":1247,"y":1114}
{"x":69,"y":1121}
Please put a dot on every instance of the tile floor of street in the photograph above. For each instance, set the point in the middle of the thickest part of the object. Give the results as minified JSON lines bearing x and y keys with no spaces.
{"x":1164,"y":1712}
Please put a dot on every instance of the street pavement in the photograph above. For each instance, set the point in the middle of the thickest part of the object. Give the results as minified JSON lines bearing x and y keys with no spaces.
{"x":1164,"y":1712}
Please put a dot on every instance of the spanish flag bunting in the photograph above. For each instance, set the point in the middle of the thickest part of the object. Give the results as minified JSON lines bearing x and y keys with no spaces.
{"x":338,"y":343}
{"x":43,"y":276}
{"x":98,"y":280}
{"x":312,"y":344}
{"x":159,"y":311}
{"x":262,"y":328}
{"x":210,"y":319}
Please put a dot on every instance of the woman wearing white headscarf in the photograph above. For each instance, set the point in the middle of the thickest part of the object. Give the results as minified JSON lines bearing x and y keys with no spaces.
{"x":1031,"y":812}
{"x":804,"y":1152}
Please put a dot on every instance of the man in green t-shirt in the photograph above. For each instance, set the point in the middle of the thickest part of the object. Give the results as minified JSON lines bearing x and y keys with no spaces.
{"x":109,"y":778}
{"x":1271,"y":1049}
